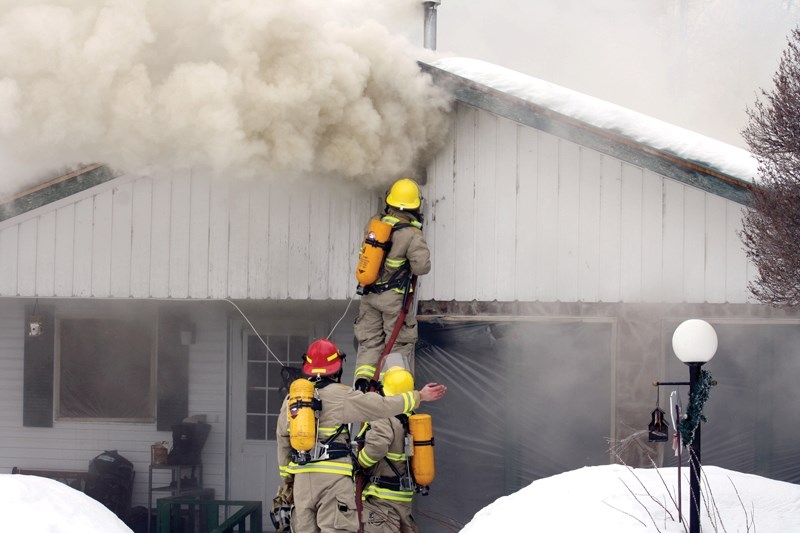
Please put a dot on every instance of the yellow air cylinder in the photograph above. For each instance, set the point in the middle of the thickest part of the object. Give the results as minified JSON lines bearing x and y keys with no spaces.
{"x":420,"y":426}
{"x":372,"y":251}
{"x":302,"y":419}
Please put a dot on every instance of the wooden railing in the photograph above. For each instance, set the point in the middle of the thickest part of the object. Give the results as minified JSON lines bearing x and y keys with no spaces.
{"x":204,"y":516}
{"x":74,"y":478}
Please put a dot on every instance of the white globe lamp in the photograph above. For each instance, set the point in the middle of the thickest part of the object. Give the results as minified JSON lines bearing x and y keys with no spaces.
{"x":694,"y":341}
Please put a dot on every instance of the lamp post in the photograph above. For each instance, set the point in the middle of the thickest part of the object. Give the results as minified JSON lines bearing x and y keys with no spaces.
{"x":695,"y":343}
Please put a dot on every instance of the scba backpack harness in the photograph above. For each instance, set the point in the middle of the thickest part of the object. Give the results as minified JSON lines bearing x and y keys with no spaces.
{"x":303,"y":413}
{"x":418,"y":456}
{"x":373,"y":255}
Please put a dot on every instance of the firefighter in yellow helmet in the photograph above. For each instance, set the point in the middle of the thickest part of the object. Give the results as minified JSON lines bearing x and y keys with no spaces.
{"x":382,"y":301}
{"x":389,"y":491}
{"x":321,"y":483}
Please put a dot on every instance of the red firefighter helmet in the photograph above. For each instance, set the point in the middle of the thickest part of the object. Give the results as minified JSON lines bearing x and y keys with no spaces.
{"x":322,"y":359}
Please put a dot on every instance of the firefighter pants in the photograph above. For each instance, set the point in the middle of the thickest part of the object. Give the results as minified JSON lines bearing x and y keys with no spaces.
{"x":381,"y":516}
{"x":324,"y":503}
{"x":377,"y":315}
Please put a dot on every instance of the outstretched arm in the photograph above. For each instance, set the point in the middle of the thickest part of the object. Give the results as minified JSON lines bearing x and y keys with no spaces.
{"x":432,"y":392}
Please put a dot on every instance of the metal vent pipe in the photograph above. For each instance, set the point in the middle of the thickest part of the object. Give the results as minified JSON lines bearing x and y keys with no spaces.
{"x":430,"y":23}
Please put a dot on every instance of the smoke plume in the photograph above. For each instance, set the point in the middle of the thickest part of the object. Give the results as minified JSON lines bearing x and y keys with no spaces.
{"x":239,"y":88}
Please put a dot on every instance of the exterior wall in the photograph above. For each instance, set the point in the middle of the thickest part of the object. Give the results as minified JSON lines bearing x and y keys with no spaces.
{"x":517,"y":214}
{"x":189,"y":237}
{"x":71,"y":445}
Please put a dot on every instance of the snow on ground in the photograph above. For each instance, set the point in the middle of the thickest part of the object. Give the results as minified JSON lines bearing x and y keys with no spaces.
{"x":644,"y":129}
{"x":617,"y":499}
{"x":41,"y":505}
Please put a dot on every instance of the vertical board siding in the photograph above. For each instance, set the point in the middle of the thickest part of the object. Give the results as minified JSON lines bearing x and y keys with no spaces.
{"x":526,"y":226}
{"x":218,"y":239}
{"x":440,"y":225}
{"x":46,"y":254}
{"x":736,"y":273}
{"x":464,"y":174}
{"x":121,"y":240}
{"x":191,"y":237}
{"x":673,"y":242}
{"x":160,"y":238}
{"x":342,"y":258}
{"x":299,"y":255}
{"x":513,"y":213}
{"x":8,"y":260}
{"x":610,"y":230}
{"x":26,"y":250}
{"x":82,"y":249}
{"x":199,"y":237}
{"x":568,"y":224}
{"x":238,"y":242}
{"x":485,"y":207}
{"x":258,"y":258}
{"x":589,"y":226}
{"x":179,"y":224}
{"x":278,"y":243}
{"x":694,"y":236}
{"x":716,"y":227}
{"x":101,"y":244}
{"x":65,"y":231}
{"x":631,"y":220}
{"x":519,"y":214}
{"x":547,"y":217}
{"x":141,"y":231}
{"x":506,"y":183}
{"x":652,"y":237}
{"x":320,"y":229}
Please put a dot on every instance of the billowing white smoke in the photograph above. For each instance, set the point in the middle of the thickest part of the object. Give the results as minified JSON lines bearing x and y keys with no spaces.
{"x":233,"y":87}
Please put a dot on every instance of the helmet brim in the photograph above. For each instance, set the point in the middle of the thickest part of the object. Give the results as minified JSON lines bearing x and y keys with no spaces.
{"x":322,"y":370}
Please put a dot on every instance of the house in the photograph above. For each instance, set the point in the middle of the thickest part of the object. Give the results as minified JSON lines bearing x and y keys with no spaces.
{"x":568,"y":242}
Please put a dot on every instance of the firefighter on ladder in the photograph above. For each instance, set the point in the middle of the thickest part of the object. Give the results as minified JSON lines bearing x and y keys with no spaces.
{"x":389,"y":490}
{"x":320,"y":480}
{"x":405,"y":254}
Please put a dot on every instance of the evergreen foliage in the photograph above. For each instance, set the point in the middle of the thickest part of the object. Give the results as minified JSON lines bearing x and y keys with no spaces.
{"x":694,"y":411}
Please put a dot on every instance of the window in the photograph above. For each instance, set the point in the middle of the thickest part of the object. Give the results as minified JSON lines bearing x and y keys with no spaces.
{"x":105,"y":369}
{"x":265,"y":388}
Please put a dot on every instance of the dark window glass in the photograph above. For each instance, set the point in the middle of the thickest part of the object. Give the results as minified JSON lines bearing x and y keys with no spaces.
{"x":105,"y":369}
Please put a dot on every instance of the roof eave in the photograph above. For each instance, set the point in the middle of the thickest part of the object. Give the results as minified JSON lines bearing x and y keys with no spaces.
{"x":604,"y":141}
{"x":55,"y":189}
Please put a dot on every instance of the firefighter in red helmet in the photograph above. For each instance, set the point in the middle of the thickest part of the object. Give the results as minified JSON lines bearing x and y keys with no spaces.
{"x":321,"y":483}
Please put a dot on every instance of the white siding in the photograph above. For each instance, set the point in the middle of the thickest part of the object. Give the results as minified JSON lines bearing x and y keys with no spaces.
{"x":191,"y":237}
{"x":546,"y":206}
{"x":519,"y":214}
{"x":121,"y":240}
{"x":589,"y":230}
{"x":441,"y":234}
{"x":70,"y":446}
{"x":525,"y":223}
{"x":465,"y":205}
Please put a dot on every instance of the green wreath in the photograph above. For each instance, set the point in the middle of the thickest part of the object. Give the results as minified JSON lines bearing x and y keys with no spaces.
{"x":694,"y":411}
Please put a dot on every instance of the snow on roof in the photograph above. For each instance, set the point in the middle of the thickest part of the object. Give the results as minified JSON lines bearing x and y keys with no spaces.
{"x":643,"y":129}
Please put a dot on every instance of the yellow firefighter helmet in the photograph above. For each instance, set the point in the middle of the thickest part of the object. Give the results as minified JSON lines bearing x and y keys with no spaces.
{"x":397,"y":380}
{"x":404,"y":194}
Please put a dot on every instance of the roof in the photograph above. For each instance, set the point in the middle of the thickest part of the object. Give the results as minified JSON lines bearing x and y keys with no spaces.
{"x":669,"y":150}
{"x":54,"y":189}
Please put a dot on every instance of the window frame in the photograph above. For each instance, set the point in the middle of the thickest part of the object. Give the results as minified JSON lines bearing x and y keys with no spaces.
{"x":152,"y":394}
{"x":270,"y":417}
